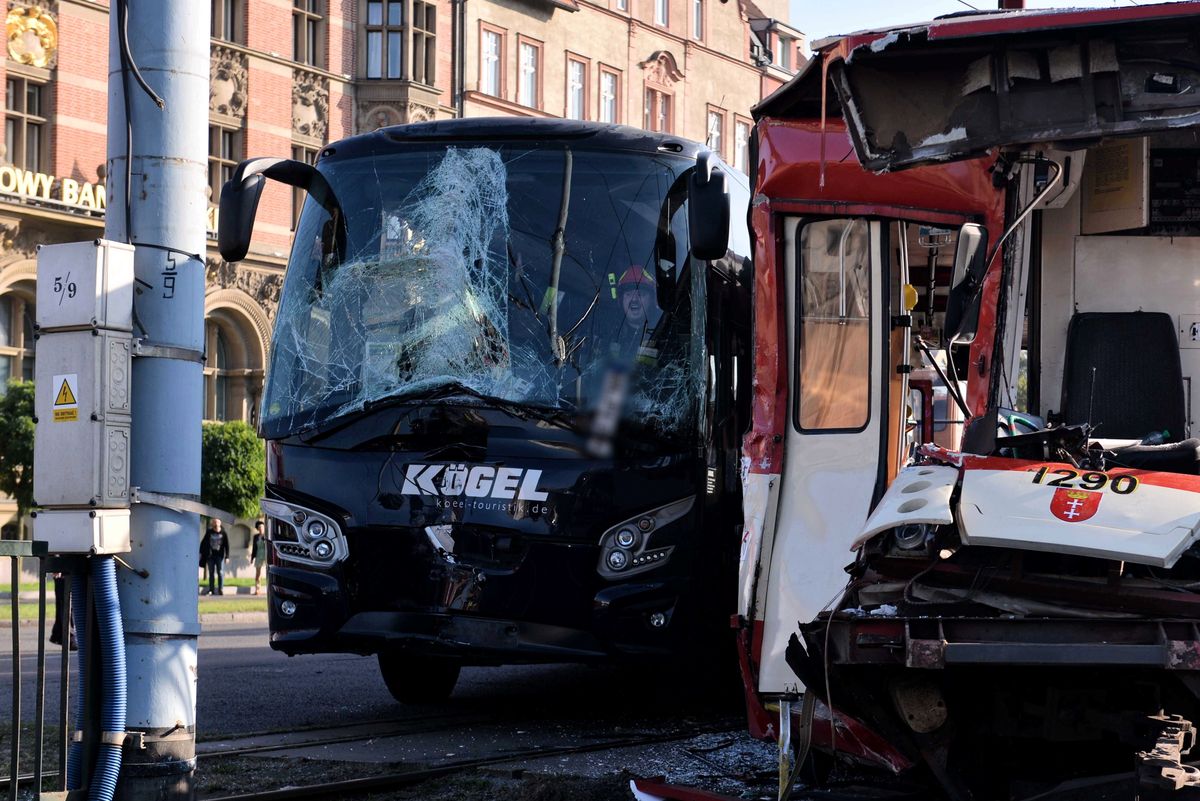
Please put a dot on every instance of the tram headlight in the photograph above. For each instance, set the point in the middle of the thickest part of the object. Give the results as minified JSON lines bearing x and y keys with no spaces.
{"x":912,"y":540}
{"x":316,"y":529}
{"x":323,"y":549}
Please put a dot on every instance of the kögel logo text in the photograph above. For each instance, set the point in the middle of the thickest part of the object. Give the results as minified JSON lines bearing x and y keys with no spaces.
{"x":480,"y":481}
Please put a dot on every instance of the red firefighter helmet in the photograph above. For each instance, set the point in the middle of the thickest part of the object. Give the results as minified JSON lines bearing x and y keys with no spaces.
{"x":635,"y":277}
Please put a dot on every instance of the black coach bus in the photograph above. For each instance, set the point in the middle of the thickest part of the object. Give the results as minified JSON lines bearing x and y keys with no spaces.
{"x":507,"y":382}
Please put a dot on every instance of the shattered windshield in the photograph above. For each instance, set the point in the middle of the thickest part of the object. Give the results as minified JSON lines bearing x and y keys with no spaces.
{"x":539,"y":276}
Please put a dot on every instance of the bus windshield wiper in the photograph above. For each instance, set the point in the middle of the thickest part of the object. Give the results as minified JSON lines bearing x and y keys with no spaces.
{"x":559,"y":417}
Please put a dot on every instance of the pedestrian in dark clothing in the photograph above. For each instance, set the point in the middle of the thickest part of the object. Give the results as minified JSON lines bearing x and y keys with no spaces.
{"x":258,"y":551}
{"x":214,"y":550}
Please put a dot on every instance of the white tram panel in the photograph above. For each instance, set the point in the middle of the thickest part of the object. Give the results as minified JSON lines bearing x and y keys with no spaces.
{"x":825,"y":495}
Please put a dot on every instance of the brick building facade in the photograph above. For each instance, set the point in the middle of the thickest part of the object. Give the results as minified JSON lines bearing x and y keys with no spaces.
{"x":289,"y":76}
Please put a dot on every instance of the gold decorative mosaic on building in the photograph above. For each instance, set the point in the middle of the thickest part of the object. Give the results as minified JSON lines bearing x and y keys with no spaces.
{"x":32,"y":36}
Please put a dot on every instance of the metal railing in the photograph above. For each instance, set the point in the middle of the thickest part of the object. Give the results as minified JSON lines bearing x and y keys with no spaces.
{"x":16,"y":551}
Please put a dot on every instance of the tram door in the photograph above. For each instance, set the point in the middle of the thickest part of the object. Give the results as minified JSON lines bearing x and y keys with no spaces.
{"x":836,"y":435}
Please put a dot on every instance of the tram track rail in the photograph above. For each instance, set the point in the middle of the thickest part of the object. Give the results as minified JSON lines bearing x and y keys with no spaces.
{"x":210,"y":751}
{"x":285,"y":739}
{"x":357,"y":732}
{"x":349,"y":788}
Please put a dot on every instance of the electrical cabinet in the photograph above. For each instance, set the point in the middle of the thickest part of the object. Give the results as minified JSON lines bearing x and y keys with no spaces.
{"x":85,"y":284}
{"x":83,"y":396}
{"x":83,"y":530}
{"x":82,"y":407}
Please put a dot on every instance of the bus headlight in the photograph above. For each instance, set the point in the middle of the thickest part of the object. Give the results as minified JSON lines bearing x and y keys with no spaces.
{"x":626,"y":538}
{"x":618,"y":559}
{"x":303,"y":536}
{"x":625,"y":549}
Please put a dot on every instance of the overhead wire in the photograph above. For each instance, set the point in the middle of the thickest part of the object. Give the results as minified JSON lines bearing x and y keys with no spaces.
{"x":129,"y":67}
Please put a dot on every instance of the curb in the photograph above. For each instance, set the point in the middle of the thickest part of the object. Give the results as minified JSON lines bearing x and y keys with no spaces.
{"x":234,"y":617}
{"x":213,"y":617}
{"x":31,"y":596}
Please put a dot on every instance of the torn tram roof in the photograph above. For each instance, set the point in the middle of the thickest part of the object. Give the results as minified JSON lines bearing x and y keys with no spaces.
{"x":961,"y":85}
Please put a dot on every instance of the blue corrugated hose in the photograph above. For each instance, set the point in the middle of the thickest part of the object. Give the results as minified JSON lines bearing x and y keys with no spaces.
{"x":103,"y":785}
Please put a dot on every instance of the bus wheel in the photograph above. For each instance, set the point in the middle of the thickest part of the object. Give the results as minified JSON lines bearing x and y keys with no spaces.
{"x":414,"y":679}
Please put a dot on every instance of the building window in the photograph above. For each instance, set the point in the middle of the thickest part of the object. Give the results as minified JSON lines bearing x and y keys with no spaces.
{"x":491,"y":61}
{"x":657,"y":111}
{"x":25,"y":124}
{"x":576,"y":89}
{"x":385,"y":39}
{"x":227,"y":20}
{"x":424,"y":42}
{"x":698,"y":20}
{"x":224,"y":152}
{"x":16,"y":338}
{"x":662,"y":12}
{"x":610,"y":93}
{"x":622,"y":5}
{"x":306,"y":32}
{"x":218,"y":374}
{"x":530,"y":89}
{"x":786,"y":46}
{"x":741,"y":146}
{"x":714,"y":130}
{"x":308,"y":155}
{"x":233,"y":370}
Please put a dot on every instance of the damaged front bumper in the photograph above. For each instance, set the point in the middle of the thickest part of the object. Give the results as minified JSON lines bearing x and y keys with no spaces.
{"x":937,"y":643}
{"x":311,"y":613}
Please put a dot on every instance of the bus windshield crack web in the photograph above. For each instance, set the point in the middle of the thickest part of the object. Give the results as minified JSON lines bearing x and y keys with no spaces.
{"x":427,"y":298}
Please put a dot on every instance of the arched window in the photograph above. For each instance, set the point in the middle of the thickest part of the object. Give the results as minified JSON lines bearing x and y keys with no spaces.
{"x":233,"y":372}
{"x":16,"y":336}
{"x":220,"y":376}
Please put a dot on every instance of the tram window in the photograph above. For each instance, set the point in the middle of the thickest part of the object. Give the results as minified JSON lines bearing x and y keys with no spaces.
{"x":833,"y":351}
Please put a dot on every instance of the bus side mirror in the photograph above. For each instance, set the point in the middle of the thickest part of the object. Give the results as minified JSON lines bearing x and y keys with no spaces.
{"x":708,"y":210}
{"x":235,"y":221}
{"x":240,"y":195}
{"x":962,"y":305}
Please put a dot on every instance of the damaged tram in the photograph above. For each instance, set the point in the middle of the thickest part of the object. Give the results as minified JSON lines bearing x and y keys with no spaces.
{"x":1000,"y":611}
{"x":503,"y":408}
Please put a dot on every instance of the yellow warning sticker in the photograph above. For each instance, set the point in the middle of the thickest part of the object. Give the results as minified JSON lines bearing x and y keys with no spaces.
{"x":66,"y":398}
{"x":65,"y":395}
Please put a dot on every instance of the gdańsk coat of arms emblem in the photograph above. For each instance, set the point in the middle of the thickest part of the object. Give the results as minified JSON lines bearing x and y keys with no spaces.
{"x":1074,"y":505}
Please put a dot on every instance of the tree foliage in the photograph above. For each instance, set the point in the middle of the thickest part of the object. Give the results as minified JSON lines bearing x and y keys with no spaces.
{"x":233,"y":468}
{"x":16,"y":446}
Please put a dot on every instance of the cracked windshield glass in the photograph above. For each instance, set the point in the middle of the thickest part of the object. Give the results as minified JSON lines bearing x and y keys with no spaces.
{"x":556,"y":280}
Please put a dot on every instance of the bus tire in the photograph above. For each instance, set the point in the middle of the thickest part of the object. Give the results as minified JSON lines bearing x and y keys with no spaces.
{"x":415,"y":679}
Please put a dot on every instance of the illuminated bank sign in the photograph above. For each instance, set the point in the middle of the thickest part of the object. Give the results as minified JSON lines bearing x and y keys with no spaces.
{"x":40,"y":186}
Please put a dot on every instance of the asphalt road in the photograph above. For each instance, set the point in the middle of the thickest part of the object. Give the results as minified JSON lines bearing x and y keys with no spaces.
{"x":244,"y":686}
